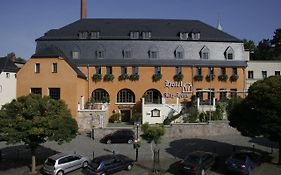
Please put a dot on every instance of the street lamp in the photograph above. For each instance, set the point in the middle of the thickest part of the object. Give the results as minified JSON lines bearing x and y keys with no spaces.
{"x":136,"y":144}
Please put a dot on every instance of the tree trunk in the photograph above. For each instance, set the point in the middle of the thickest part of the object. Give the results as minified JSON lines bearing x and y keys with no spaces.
{"x":33,"y":161}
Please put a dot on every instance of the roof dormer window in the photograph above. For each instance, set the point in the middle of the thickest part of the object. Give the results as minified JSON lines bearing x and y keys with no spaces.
{"x":183,"y":35}
{"x":146,"y":35}
{"x":205,"y":53}
{"x":229,"y":53}
{"x":195,"y":35}
{"x":83,"y":35}
{"x":134,"y":35}
{"x":95,"y":35}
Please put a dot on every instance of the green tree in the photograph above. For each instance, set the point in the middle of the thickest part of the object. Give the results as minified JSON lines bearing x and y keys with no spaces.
{"x":249,"y":45}
{"x":33,"y":120}
{"x":153,"y":133}
{"x":276,"y":43}
{"x":259,"y":113}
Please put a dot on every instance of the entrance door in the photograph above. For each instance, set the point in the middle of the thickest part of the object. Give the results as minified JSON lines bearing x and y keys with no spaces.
{"x":125,"y":115}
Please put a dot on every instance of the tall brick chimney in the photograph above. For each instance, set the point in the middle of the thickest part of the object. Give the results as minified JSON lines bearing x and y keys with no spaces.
{"x":83,"y":9}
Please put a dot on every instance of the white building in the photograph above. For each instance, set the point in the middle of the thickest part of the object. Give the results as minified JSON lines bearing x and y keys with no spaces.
{"x":8,"y":80}
{"x":259,"y":70}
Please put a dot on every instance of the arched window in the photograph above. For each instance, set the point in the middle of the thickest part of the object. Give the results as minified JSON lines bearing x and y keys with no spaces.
{"x":179,"y":52}
{"x":100,"y":52}
{"x":100,"y":96}
{"x":229,"y":53}
{"x":153,"y":96}
{"x":125,"y":96}
{"x":205,"y":53}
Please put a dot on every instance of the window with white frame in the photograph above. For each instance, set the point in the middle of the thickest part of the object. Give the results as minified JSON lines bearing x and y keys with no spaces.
{"x":146,"y":35}
{"x":223,"y":71}
{"x":155,"y":113}
{"x":135,"y":70}
{"x":127,"y":53}
{"x":277,"y":73}
{"x":250,"y":74}
{"x":199,"y":71}
{"x":7,"y":75}
{"x":83,"y":35}
{"x":205,"y":53}
{"x":178,"y":69}
{"x":183,"y":35}
{"x":211,"y":71}
{"x":123,"y":70}
{"x":134,"y":35}
{"x":75,"y":54}
{"x":54,"y":93}
{"x":179,"y":52}
{"x":95,"y":35}
{"x":125,"y":96}
{"x":55,"y":68}
{"x":234,"y":71}
{"x":36,"y":91}
{"x":108,"y":70}
{"x":98,"y":69}
{"x":157,"y":70}
{"x":229,"y":53}
{"x":37,"y":68}
{"x":264,"y":74}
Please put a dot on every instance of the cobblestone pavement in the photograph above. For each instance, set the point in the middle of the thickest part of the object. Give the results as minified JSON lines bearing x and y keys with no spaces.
{"x":16,"y":158}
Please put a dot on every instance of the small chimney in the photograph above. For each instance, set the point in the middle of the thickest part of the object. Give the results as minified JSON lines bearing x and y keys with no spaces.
{"x":83,"y":9}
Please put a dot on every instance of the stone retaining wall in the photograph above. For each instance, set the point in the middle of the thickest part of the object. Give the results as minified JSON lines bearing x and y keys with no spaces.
{"x":180,"y":130}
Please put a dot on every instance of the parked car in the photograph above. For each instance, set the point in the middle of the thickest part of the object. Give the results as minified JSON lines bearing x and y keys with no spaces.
{"x":119,"y":136}
{"x":109,"y":164}
{"x":61,"y":163}
{"x":243,"y":162}
{"x":197,"y":162}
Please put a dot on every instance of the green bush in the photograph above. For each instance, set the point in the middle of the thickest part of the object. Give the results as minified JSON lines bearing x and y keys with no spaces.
{"x":123,"y":77}
{"x":136,"y":117}
{"x":192,"y":115}
{"x":115,"y":118}
{"x":97,"y":77}
{"x":152,"y":132}
{"x":202,"y":117}
{"x":134,"y":77}
{"x":108,"y":77}
{"x":178,"y":77}
{"x":198,"y":77}
{"x":156,"y":77}
{"x":144,"y":127}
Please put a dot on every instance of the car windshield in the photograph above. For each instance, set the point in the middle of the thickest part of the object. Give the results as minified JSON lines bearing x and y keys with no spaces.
{"x":192,"y":159}
{"x":50,"y":162}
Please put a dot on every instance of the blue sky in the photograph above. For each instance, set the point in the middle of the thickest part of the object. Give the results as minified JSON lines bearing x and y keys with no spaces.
{"x":23,"y":21}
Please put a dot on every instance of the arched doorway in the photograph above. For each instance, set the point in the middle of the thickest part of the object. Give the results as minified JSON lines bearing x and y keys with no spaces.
{"x":126,"y":101}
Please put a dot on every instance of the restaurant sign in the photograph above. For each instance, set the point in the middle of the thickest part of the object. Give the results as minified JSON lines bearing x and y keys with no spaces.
{"x":186,"y":89}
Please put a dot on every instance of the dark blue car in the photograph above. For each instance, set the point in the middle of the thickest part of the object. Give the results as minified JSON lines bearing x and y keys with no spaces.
{"x":243,"y":162}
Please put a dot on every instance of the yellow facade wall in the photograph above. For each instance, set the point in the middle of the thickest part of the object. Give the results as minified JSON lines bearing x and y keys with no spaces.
{"x":71,"y":87}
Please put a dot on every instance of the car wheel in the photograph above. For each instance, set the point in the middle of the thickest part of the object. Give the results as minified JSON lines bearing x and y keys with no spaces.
{"x":85,"y":164}
{"x":203,"y":172}
{"x":129,"y":167}
{"x":130,"y":141}
{"x":60,"y":172}
{"x":108,"y":141}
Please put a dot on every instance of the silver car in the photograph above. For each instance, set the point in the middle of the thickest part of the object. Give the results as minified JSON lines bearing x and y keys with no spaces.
{"x":61,"y":163}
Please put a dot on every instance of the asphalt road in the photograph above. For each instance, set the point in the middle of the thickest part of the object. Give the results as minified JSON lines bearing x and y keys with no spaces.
{"x":16,"y":159}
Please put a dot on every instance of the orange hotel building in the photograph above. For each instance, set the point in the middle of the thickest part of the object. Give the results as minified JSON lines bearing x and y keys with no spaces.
{"x":135,"y":65}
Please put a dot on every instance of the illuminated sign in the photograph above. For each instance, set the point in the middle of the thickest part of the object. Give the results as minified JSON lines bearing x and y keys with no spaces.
{"x":186,"y":88}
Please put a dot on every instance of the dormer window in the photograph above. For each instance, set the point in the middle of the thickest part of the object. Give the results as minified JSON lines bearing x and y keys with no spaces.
{"x":179,"y":52}
{"x":205,"y":53}
{"x":146,"y":35}
{"x":100,"y":52}
{"x":195,"y":35}
{"x":95,"y":35}
{"x":153,"y":54}
{"x":134,"y":35}
{"x":83,"y":35}
{"x":183,"y":35}
{"x":229,"y":53}
{"x":127,"y":53}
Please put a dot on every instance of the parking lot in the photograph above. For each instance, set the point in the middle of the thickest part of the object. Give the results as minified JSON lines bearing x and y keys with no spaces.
{"x":16,"y":159}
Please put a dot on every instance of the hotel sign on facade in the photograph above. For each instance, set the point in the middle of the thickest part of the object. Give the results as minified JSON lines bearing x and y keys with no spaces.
{"x":185,"y":89}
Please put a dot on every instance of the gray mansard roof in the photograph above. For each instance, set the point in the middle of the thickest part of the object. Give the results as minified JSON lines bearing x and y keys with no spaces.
{"x":119,"y":29}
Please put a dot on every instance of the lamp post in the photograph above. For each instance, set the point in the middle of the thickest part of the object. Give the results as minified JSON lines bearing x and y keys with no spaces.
{"x":136,"y":144}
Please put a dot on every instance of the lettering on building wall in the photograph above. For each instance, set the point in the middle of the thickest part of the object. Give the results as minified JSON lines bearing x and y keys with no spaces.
{"x":186,"y":89}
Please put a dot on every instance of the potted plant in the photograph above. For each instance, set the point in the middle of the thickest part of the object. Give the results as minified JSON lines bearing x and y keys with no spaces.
{"x":222,"y":77}
{"x":198,"y":77}
{"x":134,"y":77}
{"x":156,"y":77}
{"x":233,"y":77}
{"x":123,"y":77}
{"x":97,"y":77}
{"x":210,"y":77}
{"x":178,"y":77}
{"x":108,"y":77}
